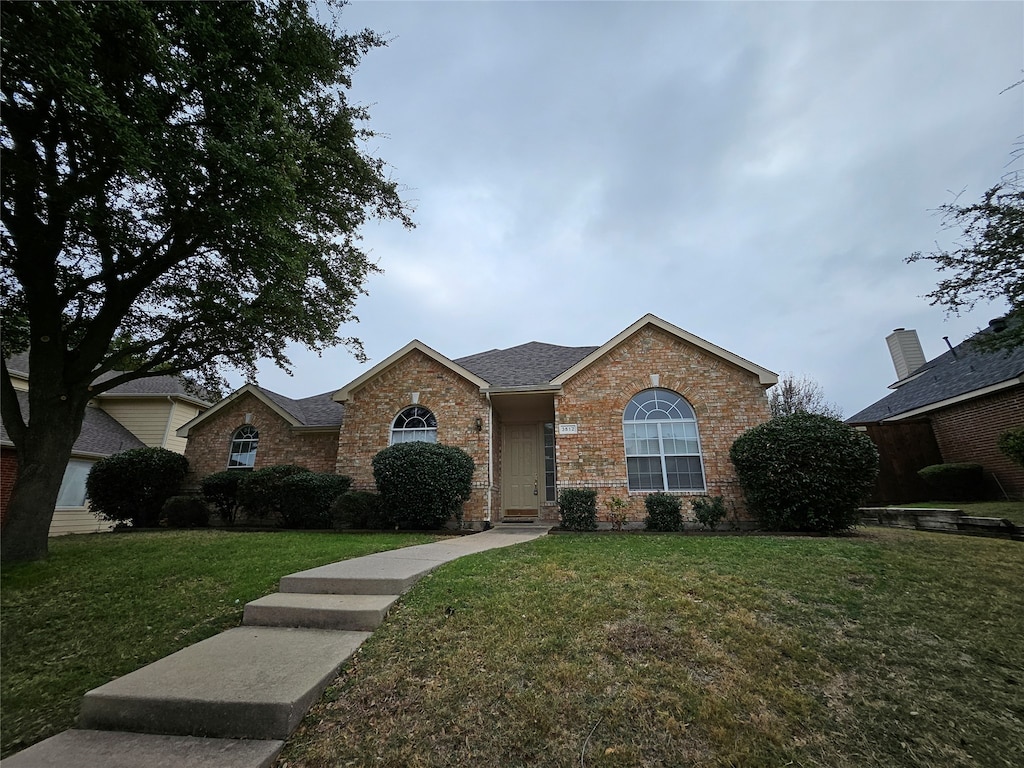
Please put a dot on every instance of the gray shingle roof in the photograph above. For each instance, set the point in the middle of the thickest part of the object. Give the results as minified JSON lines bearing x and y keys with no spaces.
{"x":155,"y":385}
{"x":962,"y":370}
{"x":101,"y":435}
{"x":531,"y":364}
{"x":151,"y":385}
{"x":316,"y":411}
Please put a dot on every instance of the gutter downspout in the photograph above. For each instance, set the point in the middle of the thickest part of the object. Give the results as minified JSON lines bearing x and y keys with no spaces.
{"x":490,"y":454}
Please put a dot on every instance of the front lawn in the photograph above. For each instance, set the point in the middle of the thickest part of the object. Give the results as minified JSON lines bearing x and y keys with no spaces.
{"x":103,"y":605}
{"x":885,"y":648}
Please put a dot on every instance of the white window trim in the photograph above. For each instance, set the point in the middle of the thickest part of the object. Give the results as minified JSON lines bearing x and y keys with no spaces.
{"x":235,"y":439}
{"x":414,"y":430}
{"x":661,"y":456}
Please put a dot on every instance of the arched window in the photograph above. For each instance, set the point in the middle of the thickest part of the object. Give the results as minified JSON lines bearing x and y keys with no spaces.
{"x":414,"y":423}
{"x":662,"y":445}
{"x":243,"y":447}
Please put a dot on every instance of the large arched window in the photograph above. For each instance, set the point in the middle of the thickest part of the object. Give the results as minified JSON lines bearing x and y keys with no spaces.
{"x":243,"y":447}
{"x":412,"y":424}
{"x":662,"y":445}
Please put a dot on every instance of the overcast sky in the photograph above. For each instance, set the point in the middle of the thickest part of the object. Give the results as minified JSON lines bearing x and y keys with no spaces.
{"x":755,"y":173}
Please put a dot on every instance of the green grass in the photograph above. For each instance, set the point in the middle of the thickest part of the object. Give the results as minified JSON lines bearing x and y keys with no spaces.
{"x":104,"y":605}
{"x":1011,"y":510}
{"x":887,"y":648}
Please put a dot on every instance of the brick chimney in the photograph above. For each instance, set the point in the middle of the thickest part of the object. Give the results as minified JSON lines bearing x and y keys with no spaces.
{"x":905,"y":348}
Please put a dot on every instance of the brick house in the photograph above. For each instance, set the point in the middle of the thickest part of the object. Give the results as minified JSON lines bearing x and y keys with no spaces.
{"x":959,"y":402}
{"x":655,"y":408}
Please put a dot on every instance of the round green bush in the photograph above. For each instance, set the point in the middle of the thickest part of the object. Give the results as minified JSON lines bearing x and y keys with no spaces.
{"x":664,"y":512}
{"x":577,"y":509}
{"x":805,"y":472}
{"x":131,"y":487}
{"x":186,"y":512}
{"x":259,"y":493}
{"x":1011,"y":443}
{"x":306,"y":498}
{"x":221,"y":490}
{"x":708,"y":510}
{"x":954,"y":482}
{"x":423,"y":485}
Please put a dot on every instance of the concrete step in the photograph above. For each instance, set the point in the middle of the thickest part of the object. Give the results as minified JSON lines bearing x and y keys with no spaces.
{"x":324,"y":611}
{"x":112,"y":749}
{"x":372,"y":575}
{"x":246,"y":683}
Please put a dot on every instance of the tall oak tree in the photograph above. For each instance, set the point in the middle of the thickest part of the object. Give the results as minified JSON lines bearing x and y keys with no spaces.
{"x":183,"y":185}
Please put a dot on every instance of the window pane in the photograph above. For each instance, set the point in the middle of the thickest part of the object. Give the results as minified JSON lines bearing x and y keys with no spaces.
{"x":660,"y":431}
{"x":243,"y":447}
{"x":72,"y":486}
{"x":414,"y":424}
{"x":645,"y":474}
{"x":549,"y":461}
{"x":684,"y":473}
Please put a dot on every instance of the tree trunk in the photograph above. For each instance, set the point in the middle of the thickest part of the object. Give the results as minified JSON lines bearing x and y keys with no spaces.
{"x":30,"y":510}
{"x":43,"y":453}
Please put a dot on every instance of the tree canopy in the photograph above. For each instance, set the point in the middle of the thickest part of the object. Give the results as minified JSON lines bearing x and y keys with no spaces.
{"x":183,"y":186}
{"x":800,"y":394}
{"x":986,"y":263}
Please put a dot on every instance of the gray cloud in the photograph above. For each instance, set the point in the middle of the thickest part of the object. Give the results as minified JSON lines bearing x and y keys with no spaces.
{"x":753,"y":172}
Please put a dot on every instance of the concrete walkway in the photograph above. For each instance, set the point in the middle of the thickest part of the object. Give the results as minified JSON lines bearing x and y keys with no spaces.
{"x":230,"y":701}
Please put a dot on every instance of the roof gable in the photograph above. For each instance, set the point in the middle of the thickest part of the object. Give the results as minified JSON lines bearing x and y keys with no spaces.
{"x":764,"y":376}
{"x":415,"y":345}
{"x":318,"y":411}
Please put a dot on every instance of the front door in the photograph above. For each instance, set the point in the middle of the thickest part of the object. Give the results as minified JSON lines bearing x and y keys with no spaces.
{"x":522,"y":475}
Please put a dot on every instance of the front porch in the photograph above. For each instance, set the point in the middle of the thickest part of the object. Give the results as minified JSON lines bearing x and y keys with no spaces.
{"x":524,"y":449}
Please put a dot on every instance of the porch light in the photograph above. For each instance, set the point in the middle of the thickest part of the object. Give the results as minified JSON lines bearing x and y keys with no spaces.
{"x":479,"y":424}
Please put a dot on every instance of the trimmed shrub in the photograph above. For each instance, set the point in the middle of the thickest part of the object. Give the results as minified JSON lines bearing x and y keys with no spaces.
{"x":221,"y":490}
{"x":664,"y":512}
{"x":305,"y":498}
{"x":423,"y":485}
{"x":709,"y":510}
{"x":186,"y":512}
{"x":1011,"y":443}
{"x":131,"y":487}
{"x":577,"y":509}
{"x":359,"y":509}
{"x":259,"y":492}
{"x":954,"y":482}
{"x":805,"y":472}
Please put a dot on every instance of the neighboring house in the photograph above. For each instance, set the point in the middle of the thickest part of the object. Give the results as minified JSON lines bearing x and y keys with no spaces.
{"x":959,"y":403}
{"x":655,"y":408}
{"x":140,"y":413}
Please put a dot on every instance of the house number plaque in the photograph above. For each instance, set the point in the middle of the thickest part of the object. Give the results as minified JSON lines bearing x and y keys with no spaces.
{"x":568,"y":429}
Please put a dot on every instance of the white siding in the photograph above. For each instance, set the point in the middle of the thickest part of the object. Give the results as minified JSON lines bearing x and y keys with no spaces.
{"x":144,"y":418}
{"x":77,"y":520}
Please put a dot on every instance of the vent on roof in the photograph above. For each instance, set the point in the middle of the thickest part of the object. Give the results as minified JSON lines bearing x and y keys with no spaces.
{"x":997,"y":325}
{"x":905,"y":348}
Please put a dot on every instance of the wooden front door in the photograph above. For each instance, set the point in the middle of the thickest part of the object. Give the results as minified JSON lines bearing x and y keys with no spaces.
{"x":522,"y":475}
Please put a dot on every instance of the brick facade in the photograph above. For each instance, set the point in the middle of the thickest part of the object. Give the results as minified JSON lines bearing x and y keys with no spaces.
{"x":969,"y":431}
{"x":8,"y":472}
{"x":416,"y":379}
{"x":726,"y":400}
{"x":279,"y":443}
